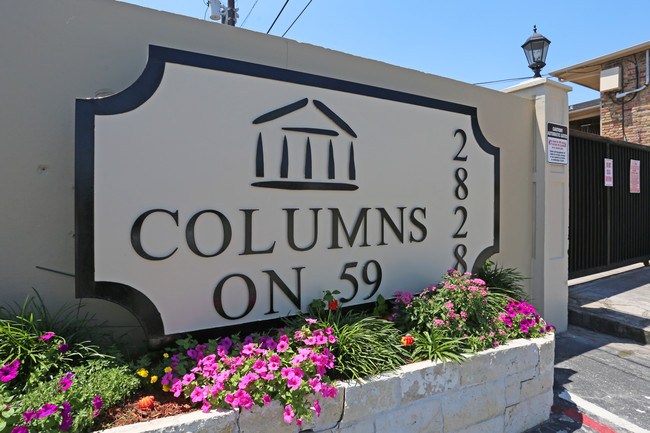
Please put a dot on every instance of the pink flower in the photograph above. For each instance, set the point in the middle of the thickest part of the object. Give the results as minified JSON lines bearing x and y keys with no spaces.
{"x":315,"y":384}
{"x":250,"y":377}
{"x":188,"y":378}
{"x":231,"y":400}
{"x":9,"y":371}
{"x":266,"y":399}
{"x":294,"y":382}
{"x":20,"y":429}
{"x":329,"y":392}
{"x":244,"y":399}
{"x":299,"y":421}
{"x":248,"y":350}
{"x":282,"y":346}
{"x":317,"y":408}
{"x":267,"y":376}
{"x":288,"y":414}
{"x":177,"y":387}
{"x":259,"y":366}
{"x":47,"y":336}
{"x":496,"y":343}
{"x":311,"y":321}
{"x":197,"y":394}
{"x":274,"y":362}
{"x":206,"y":406}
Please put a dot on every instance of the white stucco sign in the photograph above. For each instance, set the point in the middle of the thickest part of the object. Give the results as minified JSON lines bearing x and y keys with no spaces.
{"x":214,"y":192}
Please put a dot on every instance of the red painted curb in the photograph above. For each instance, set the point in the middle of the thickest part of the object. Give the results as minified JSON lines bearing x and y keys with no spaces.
{"x":584,"y":419}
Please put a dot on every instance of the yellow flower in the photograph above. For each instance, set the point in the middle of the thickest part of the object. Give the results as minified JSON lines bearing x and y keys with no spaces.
{"x":143,"y":373}
{"x":168,"y":369}
{"x":154,"y":379}
{"x":166,"y":355}
{"x":166,"y":388}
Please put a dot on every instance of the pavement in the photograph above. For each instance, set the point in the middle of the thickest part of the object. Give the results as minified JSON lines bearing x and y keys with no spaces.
{"x":602,"y":362}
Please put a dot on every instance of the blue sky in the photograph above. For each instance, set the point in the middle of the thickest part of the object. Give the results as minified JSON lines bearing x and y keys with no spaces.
{"x":472,"y":41}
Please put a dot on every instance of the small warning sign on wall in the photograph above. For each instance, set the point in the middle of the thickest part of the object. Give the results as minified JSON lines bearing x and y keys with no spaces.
{"x":609,"y":172}
{"x":557,"y":143}
{"x":635,"y":176}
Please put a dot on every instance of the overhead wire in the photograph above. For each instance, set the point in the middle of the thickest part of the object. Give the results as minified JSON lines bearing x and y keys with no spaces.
{"x":294,"y":21}
{"x":276,"y":18}
{"x":249,"y":13}
{"x":506,"y":79}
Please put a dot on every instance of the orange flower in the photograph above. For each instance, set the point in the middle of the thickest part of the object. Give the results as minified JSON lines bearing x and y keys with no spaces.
{"x":146,"y":402}
{"x":407,"y":341}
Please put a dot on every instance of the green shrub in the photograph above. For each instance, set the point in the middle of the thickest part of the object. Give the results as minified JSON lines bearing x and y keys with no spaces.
{"x":460,"y":308}
{"x":506,"y":281}
{"x":78,"y":390}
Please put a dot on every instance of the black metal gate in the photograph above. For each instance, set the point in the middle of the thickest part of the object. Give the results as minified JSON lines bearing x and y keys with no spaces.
{"x":609,"y":226}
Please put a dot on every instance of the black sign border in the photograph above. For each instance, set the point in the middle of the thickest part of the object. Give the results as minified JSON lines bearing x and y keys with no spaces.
{"x":139,"y":92}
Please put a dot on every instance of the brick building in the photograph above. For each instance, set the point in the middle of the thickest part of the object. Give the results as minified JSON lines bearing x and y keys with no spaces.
{"x":623,"y":110}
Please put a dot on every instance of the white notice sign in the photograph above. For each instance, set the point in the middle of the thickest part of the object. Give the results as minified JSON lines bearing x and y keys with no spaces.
{"x":557,"y":143}
{"x":635,"y":176}
{"x":609,"y":172}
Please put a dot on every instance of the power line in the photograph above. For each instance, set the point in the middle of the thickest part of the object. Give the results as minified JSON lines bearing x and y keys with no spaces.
{"x":276,"y":18}
{"x":503,"y":81}
{"x":249,"y":13}
{"x":294,"y":21}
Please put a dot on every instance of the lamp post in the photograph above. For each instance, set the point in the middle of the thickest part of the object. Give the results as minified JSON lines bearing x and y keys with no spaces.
{"x":536,"y":48}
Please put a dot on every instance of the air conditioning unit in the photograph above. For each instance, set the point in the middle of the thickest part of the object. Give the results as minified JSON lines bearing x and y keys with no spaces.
{"x":610,"y":79}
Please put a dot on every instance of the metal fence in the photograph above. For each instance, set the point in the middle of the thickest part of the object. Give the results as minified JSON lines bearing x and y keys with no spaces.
{"x":609,"y":226}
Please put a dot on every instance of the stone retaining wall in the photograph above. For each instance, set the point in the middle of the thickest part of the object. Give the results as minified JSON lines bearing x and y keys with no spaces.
{"x":503,"y":390}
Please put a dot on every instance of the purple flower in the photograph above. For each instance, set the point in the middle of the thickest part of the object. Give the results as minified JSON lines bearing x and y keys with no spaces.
{"x":66,"y":409}
{"x":97,"y":405}
{"x":47,"y":410}
{"x":63,"y":348}
{"x":64,"y":383}
{"x":29,"y":416}
{"x":47,"y":336}
{"x":9,"y":371}
{"x":66,"y":423}
{"x":20,"y":429}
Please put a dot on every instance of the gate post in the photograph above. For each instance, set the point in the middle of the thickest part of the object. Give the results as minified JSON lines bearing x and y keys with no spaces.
{"x":550,"y":192}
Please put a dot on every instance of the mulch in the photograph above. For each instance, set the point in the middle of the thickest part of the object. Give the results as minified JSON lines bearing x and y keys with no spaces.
{"x":165,"y":404}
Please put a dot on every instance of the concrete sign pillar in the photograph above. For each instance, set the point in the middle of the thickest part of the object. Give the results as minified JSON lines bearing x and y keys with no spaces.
{"x":550,"y":183}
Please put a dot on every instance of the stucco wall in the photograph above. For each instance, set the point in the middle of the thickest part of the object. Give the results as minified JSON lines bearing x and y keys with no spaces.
{"x":55,"y":52}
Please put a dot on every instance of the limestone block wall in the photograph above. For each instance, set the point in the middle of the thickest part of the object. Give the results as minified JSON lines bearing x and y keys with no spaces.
{"x":507,"y":389}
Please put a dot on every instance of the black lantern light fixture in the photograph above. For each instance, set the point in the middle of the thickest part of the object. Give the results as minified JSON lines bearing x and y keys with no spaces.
{"x":536,"y":48}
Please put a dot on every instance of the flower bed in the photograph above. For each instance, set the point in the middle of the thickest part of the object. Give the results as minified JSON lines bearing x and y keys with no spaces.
{"x":504,"y":389}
